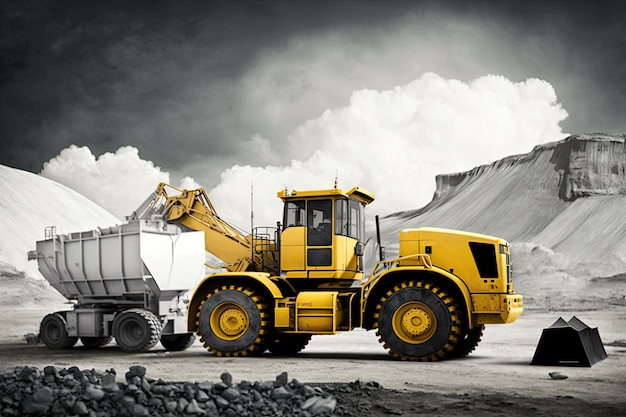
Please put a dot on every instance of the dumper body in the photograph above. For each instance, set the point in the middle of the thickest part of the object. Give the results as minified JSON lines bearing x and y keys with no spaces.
{"x":142,"y":268}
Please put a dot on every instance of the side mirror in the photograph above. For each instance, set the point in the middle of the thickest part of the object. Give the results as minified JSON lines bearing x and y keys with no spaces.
{"x":358,"y":249}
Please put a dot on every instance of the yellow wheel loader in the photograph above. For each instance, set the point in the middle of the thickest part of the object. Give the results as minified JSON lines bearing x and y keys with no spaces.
{"x":281,"y":285}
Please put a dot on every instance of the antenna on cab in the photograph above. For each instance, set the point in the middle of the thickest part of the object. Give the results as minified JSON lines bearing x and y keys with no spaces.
{"x":251,"y":206}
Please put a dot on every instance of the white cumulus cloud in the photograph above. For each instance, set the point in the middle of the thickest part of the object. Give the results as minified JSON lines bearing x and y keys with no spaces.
{"x":394,"y":142}
{"x":118,"y":181}
{"x":391,"y":142}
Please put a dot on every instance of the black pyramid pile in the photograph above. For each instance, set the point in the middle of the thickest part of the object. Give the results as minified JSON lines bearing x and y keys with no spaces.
{"x":27,"y":391}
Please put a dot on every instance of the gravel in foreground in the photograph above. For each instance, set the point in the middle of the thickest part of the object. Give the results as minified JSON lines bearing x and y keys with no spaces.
{"x":29,"y":391}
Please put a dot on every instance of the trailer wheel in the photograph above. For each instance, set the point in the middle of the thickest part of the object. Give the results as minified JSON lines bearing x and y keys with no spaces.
{"x":53,"y":332}
{"x":287,"y":344}
{"x":136,"y":330}
{"x":468,"y":342}
{"x":233,"y":321}
{"x":95,"y":342}
{"x":418,"y":321}
{"x":177,"y":342}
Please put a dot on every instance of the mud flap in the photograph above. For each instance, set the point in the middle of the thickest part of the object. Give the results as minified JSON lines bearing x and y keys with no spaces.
{"x":571,"y":343}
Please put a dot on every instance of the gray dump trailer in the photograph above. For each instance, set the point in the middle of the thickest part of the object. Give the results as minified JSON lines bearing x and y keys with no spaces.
{"x":126,"y":282}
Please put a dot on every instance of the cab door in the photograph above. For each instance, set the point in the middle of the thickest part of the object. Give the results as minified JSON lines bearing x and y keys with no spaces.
{"x":319,"y":234}
{"x":293,"y":237}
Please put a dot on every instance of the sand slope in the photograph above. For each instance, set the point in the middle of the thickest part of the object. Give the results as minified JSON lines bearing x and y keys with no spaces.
{"x":29,"y":204}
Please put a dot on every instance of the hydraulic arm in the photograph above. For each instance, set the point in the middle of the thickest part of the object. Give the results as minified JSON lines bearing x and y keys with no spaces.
{"x":192,"y":210}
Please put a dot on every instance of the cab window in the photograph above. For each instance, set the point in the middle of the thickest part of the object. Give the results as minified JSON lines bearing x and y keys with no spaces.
{"x":319,"y":222}
{"x":295,"y":214}
{"x":349,"y":218}
{"x":355,"y":220}
{"x":341,"y":217}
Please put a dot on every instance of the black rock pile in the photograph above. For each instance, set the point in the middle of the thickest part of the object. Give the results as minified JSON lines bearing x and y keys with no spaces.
{"x":27,"y":391}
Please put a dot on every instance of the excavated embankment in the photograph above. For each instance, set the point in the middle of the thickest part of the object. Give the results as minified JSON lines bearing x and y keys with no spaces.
{"x":584,"y":164}
{"x":591,"y":165}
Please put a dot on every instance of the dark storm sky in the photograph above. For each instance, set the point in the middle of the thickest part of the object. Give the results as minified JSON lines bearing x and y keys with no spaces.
{"x":187,"y":82}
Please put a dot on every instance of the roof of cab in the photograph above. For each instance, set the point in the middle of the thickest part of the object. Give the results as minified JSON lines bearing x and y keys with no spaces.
{"x":358,"y":193}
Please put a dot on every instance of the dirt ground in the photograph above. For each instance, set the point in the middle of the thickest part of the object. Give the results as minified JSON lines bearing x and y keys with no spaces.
{"x":496,"y":379}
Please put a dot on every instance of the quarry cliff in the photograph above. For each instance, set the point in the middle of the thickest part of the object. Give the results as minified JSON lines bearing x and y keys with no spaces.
{"x":591,"y":165}
{"x":562,"y":205}
{"x":585,"y":165}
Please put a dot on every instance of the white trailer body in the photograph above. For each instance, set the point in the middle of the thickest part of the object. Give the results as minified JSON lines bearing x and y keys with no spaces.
{"x":142,"y":269}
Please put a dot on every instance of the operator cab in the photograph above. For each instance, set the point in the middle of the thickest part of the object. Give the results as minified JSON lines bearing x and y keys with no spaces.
{"x":323,"y":233}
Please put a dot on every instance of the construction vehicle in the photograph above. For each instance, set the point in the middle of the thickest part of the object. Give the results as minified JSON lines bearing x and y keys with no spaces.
{"x":279,"y":286}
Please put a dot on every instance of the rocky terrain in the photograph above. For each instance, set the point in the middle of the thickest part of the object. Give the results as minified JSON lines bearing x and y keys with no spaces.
{"x":62,"y":392}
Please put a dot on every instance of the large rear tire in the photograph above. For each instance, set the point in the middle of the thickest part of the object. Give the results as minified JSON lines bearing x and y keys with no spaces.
{"x":416,"y":320}
{"x":178,"y":342}
{"x":136,"y":330}
{"x":95,"y":342}
{"x":234,"y":321}
{"x":53,"y":332}
{"x":287,"y":344}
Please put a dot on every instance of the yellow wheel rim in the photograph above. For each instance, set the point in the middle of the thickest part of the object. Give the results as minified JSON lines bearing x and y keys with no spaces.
{"x":414,"y":322}
{"x":229,"y":321}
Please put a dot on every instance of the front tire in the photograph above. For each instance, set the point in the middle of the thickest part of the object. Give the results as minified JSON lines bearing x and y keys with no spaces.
{"x":234,"y":321}
{"x":417,"y":320}
{"x":468,"y":341}
{"x":53,"y":332}
{"x":136,"y":330}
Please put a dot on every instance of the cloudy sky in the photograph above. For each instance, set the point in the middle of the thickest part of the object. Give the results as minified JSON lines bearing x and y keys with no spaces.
{"x":112,"y":97}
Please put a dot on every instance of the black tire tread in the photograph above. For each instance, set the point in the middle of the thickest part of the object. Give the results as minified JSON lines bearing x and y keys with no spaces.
{"x":178,"y":342}
{"x":151,"y":320}
{"x":258,"y":346}
{"x":94,"y":342}
{"x":64,"y":341}
{"x":456,"y":321}
{"x":468,"y":341}
{"x":287,"y":344}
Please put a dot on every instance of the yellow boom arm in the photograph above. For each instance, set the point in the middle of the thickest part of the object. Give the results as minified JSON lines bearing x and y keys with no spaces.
{"x":193,"y":210}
